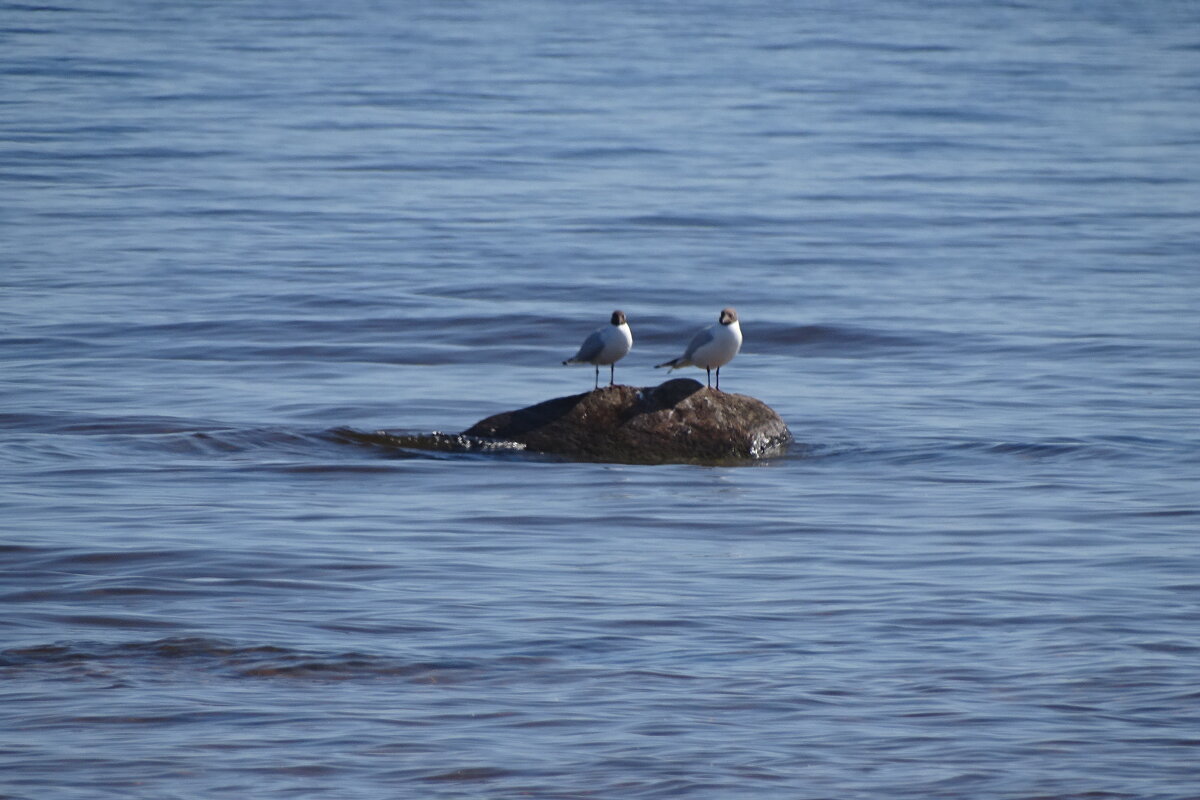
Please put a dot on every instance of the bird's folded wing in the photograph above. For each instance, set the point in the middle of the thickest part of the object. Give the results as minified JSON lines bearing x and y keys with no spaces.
{"x":699,"y":340}
{"x":590,"y":348}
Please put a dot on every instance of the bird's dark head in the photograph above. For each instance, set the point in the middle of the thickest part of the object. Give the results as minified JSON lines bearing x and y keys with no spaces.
{"x":728,"y":316}
{"x":618,"y":318}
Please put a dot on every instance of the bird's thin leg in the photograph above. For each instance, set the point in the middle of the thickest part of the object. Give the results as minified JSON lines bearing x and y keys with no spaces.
{"x":708,"y":376}
{"x":597,"y":386}
{"x":718,"y":379}
{"x":612,"y":373}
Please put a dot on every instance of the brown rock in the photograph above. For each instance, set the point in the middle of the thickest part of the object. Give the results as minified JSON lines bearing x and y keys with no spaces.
{"x":680,"y":420}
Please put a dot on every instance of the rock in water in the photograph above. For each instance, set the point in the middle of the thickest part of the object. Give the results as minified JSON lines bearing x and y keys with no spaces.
{"x":681,"y":420}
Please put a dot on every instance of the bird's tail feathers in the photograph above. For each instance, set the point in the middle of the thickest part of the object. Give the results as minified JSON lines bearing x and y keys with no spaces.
{"x":674,"y":363}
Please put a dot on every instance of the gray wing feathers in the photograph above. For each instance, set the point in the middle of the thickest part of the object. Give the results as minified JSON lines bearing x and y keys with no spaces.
{"x":590,"y":348}
{"x":699,"y":340}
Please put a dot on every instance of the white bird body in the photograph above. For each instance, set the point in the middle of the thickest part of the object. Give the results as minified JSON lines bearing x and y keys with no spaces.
{"x":605,"y":345}
{"x":713,"y":347}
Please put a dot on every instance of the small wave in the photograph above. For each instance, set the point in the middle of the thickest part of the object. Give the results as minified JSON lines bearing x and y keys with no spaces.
{"x":837,"y":340}
{"x":229,"y":658}
{"x":1059,"y":449}
{"x":182,"y":437}
{"x":923,"y":453}
{"x":435,"y":442}
{"x":715,"y":221}
{"x":469,"y":774}
{"x":811,"y":43}
{"x":604,"y":153}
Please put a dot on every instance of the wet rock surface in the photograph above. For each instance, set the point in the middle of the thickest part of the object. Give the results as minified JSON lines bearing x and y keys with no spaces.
{"x":679,"y":420}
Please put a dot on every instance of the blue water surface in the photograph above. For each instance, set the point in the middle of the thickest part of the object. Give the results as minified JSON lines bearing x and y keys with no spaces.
{"x":962,"y":239}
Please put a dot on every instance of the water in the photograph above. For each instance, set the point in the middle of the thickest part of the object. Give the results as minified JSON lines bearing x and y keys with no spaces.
{"x":962,"y":239}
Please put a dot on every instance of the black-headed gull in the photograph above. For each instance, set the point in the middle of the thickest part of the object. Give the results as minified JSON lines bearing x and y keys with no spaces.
{"x":712,"y":347}
{"x":606,"y":345}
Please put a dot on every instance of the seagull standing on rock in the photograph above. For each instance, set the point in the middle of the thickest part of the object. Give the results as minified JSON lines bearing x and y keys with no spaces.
{"x":712,"y":347}
{"x":606,"y":345}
